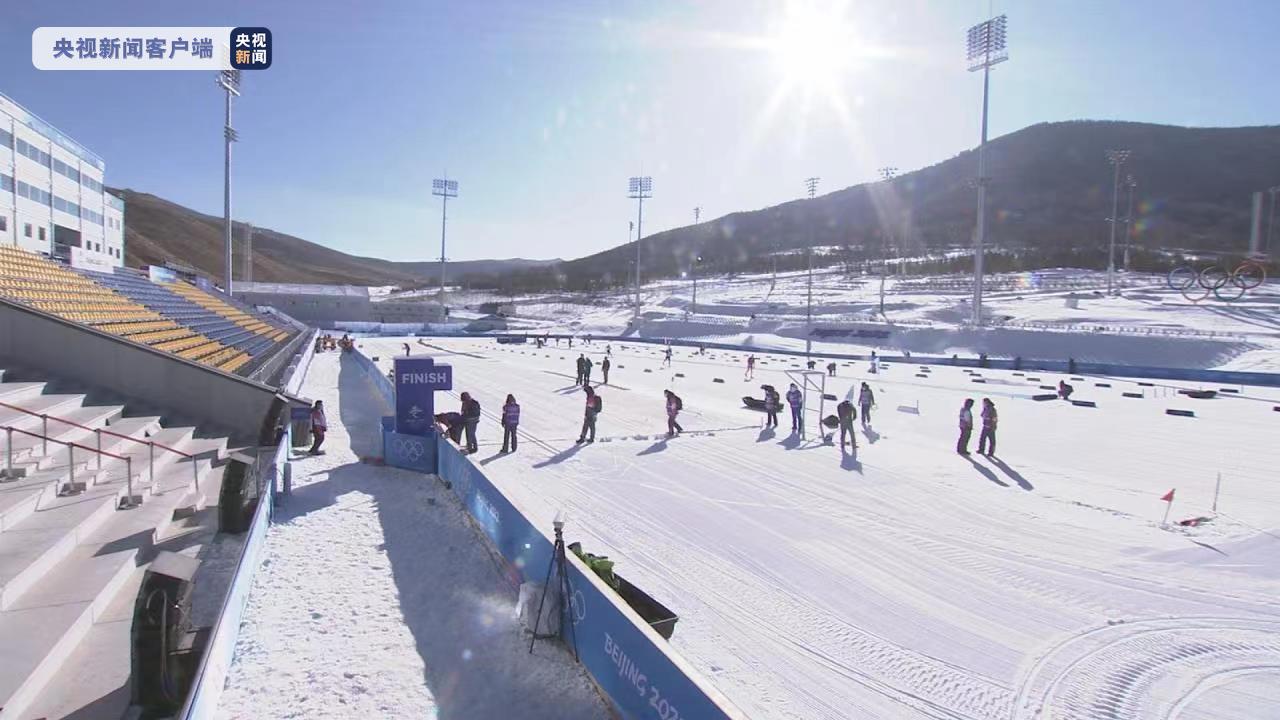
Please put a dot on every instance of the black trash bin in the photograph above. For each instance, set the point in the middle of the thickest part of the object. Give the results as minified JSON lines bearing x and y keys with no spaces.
{"x":659,"y":617}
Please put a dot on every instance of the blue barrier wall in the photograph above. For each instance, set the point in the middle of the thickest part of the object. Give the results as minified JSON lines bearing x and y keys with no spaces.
{"x":630,"y":662}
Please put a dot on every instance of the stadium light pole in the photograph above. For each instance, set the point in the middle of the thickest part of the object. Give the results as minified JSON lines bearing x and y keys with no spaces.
{"x":1129,"y":183}
{"x":887,"y":174}
{"x":639,"y":188}
{"x":693,"y":273}
{"x":445,"y":189}
{"x":811,"y":185}
{"x":986,"y":47}
{"x":248,"y":252}
{"x":229,"y":81}
{"x":1116,"y":158}
{"x":1271,"y":221}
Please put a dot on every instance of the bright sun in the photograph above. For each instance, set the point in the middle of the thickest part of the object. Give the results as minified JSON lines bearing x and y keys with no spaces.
{"x":814,"y":45}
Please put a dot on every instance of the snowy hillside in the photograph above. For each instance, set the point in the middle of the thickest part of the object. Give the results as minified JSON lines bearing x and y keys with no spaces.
{"x":1045,"y":315}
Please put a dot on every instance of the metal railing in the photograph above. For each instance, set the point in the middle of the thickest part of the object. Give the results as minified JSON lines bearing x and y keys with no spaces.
{"x":98,"y":433}
{"x":71,"y":458}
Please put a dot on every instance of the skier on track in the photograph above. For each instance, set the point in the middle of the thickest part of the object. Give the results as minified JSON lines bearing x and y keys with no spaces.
{"x":772,"y":404}
{"x":510,"y":421}
{"x":586,"y":370}
{"x":966,"y":427}
{"x":406,"y":349}
{"x":666,"y":357}
{"x":470,"y":420}
{"x":593,"y":407}
{"x":608,"y":349}
{"x":796,"y":401}
{"x":582,"y":370}
{"x":1064,"y":390}
{"x":845,"y":413}
{"x":674,"y":406}
{"x":831,"y":369}
{"x":987,"y":439}
{"x":604,"y":369}
{"x":751,"y":368}
{"x":867,"y":400}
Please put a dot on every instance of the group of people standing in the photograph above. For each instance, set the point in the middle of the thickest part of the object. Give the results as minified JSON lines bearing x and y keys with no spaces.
{"x":987,"y":438}
{"x":584,"y":370}
{"x":462,"y":426}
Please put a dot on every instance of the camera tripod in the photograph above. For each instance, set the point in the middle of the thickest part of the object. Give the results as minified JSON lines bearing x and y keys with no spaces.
{"x":560,"y":565}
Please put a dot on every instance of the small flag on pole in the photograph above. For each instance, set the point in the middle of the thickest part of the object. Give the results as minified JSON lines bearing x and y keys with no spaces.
{"x":1168,"y":497}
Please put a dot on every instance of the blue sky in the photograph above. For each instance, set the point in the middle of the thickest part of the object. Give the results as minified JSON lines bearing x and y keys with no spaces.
{"x":542,"y":110}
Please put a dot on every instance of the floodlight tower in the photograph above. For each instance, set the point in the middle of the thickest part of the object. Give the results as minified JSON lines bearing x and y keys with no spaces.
{"x":986,"y":48}
{"x":887,"y":174}
{"x":229,"y":81}
{"x":445,"y":189}
{"x":693,"y":273}
{"x":639,"y":189}
{"x":248,"y":252}
{"x":811,"y":185}
{"x":1131,"y":184}
{"x":1116,"y":158}
{"x":1271,"y":220}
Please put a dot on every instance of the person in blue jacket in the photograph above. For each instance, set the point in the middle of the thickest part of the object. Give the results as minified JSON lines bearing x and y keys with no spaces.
{"x":796,"y":401}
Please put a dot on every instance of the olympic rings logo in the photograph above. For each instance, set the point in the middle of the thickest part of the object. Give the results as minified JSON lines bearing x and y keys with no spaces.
{"x":1223,"y":284}
{"x":408,"y":448}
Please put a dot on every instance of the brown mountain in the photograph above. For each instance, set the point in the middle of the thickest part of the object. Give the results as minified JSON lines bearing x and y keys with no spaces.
{"x":1050,"y":190}
{"x":156,"y":231}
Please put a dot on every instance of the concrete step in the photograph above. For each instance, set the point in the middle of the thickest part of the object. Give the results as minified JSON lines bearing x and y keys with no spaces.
{"x":35,"y":544}
{"x":84,"y":656}
{"x":14,"y":393}
{"x":93,"y":683}
{"x":38,"y":404}
{"x":19,"y":498}
{"x":47,"y":625}
{"x":93,"y":416}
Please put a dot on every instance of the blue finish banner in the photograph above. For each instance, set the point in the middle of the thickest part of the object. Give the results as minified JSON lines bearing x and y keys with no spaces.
{"x":416,"y":381}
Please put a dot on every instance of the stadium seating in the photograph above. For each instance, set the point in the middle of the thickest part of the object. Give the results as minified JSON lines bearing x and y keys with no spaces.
{"x":76,"y":533}
{"x":53,"y":288}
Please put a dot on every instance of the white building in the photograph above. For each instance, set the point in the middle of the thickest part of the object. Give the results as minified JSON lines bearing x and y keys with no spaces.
{"x":52,"y":198}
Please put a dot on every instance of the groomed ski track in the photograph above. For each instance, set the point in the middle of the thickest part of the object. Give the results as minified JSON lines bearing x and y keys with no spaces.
{"x":911,"y":581}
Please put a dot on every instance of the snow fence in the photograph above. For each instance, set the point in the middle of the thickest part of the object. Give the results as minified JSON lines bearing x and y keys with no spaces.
{"x":632,"y":664}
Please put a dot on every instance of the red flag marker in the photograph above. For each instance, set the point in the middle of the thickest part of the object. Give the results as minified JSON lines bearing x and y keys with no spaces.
{"x":1168,"y":497}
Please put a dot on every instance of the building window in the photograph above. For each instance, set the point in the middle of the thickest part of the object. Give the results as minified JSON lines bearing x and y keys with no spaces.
{"x":42,"y":235}
{"x":4,"y":224}
{"x":26,"y":229}
{"x":6,"y":183}
{"x":6,"y":139}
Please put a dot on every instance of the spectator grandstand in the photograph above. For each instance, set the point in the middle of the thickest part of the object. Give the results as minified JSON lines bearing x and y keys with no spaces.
{"x":174,"y":317}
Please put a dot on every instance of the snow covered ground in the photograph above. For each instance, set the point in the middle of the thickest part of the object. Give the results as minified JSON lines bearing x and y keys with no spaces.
{"x":378,"y":599}
{"x":905,"y":581}
{"x":1029,"y":315}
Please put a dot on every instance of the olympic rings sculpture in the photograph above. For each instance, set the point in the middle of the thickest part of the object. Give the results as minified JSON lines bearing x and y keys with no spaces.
{"x":1217,"y":281}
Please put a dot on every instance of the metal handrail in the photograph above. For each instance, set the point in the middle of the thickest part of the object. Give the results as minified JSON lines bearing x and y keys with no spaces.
{"x":71,"y":458}
{"x":98,"y":433}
